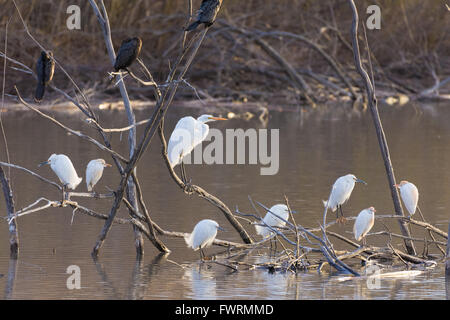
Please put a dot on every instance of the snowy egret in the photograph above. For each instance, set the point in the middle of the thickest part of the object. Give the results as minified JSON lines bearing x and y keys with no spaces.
{"x":188,"y":133}
{"x":94,"y":172}
{"x":340,"y":193}
{"x":203,"y":235}
{"x":63,"y":167}
{"x":363,"y":223}
{"x":206,"y":14}
{"x":409,"y":194}
{"x":271,"y":220}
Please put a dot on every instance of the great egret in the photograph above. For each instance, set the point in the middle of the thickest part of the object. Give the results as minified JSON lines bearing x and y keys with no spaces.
{"x":206,"y":14}
{"x":363,"y":223}
{"x":188,"y":133}
{"x":94,"y":172}
{"x":340,"y":193}
{"x":45,"y":68}
{"x":410,"y":195}
{"x":203,"y":235}
{"x":271,"y":220}
{"x":63,"y":167}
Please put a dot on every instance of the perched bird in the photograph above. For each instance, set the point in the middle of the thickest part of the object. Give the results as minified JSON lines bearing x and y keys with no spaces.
{"x":45,"y":68}
{"x":273,"y":221}
{"x":409,"y":194}
{"x":203,"y":235}
{"x":206,"y":14}
{"x":363,"y":223}
{"x":63,"y":167}
{"x":188,"y":133}
{"x":94,"y":172}
{"x":128,"y":52}
{"x":340,"y":193}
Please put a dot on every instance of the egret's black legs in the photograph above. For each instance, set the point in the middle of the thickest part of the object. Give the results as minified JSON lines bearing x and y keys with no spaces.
{"x":182,"y":173}
{"x":63,"y":193}
{"x":340,"y":219}
{"x":202,"y":255}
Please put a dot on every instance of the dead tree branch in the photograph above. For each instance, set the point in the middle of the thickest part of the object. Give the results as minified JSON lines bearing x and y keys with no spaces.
{"x":378,"y":127}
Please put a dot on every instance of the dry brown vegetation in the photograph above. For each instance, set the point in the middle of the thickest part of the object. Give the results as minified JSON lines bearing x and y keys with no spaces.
{"x":413,"y":43}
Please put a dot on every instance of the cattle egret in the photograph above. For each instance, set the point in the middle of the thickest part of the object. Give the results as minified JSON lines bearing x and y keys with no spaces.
{"x":63,"y":167}
{"x":410,"y":195}
{"x":94,"y":172}
{"x":340,"y":193}
{"x":363,"y":223}
{"x":188,"y":133}
{"x":273,"y":221}
{"x":203,"y":235}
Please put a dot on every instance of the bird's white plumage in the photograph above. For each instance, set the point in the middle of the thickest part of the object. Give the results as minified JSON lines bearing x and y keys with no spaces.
{"x":341,"y":191}
{"x":188,"y":133}
{"x":94,"y":172}
{"x":280,"y":210}
{"x":64,"y":169}
{"x":363,"y":223}
{"x":203,"y":234}
{"x":410,"y":196}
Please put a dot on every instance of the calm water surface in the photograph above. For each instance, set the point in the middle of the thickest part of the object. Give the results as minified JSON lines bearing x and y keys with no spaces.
{"x":315,"y":148}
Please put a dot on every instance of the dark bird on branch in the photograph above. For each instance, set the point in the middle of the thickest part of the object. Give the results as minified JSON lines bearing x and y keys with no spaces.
{"x":206,"y":14}
{"x":45,"y":68}
{"x":128,"y":52}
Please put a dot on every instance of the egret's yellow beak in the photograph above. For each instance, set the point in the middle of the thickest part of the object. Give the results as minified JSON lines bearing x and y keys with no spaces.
{"x":217,"y":118}
{"x":108,"y":165}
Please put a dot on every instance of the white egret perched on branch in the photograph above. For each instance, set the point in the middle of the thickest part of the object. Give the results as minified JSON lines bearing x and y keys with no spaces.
{"x":409,"y":194}
{"x":63,"y":167}
{"x":363,"y":223}
{"x":94,"y":172}
{"x":188,"y":133}
{"x":203,"y":235}
{"x":272,"y":220}
{"x":340,"y":193}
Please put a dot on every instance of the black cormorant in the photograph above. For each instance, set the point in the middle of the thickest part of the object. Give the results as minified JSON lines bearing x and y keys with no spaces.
{"x":44,"y":69}
{"x":128,"y":52}
{"x":206,"y":14}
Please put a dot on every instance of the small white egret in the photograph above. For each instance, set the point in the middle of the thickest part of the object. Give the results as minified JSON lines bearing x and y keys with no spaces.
{"x":271,"y":220}
{"x":63,"y":167}
{"x":203,"y":235}
{"x":340,"y":193}
{"x":409,"y":194}
{"x":94,"y":172}
{"x":188,"y":133}
{"x":363,"y":223}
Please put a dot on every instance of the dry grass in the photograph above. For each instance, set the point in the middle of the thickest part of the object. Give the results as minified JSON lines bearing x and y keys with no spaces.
{"x":413,"y":40}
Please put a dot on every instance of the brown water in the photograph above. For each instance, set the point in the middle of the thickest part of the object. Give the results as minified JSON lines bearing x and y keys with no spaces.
{"x":315,"y":148}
